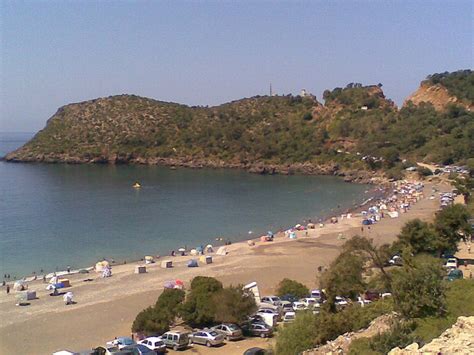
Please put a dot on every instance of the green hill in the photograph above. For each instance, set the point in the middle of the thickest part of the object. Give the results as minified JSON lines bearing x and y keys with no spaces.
{"x":262,"y":133}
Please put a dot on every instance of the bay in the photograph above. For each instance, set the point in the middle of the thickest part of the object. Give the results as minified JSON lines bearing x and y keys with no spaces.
{"x":55,"y":215}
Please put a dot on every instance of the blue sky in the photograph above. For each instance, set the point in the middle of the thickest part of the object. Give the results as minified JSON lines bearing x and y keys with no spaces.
{"x":210,"y":52}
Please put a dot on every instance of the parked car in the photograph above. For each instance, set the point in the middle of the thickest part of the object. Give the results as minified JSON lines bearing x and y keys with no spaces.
{"x":455,"y":274}
{"x":299,"y":306}
{"x":362,"y":301}
{"x":286,"y":306}
{"x":289,"y":317}
{"x":255,"y":351}
{"x":289,"y":298}
{"x":274,"y":300}
{"x":318,"y":295}
{"x":451,"y":263}
{"x":396,"y":260}
{"x":257,"y":329}
{"x":139,"y":349}
{"x":206,"y":337}
{"x":230,"y":331}
{"x":371,"y":295}
{"x":309,"y":302}
{"x":341,"y":302}
{"x":121,"y":342}
{"x":176,"y":340}
{"x":273,"y":312}
{"x":154,"y":343}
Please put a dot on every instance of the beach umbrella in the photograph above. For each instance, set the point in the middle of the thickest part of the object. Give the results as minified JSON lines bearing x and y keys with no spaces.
{"x":209,"y":248}
{"x":169,"y":284}
{"x":193,"y":252}
{"x":181,"y":250}
{"x":179,"y":282}
{"x":20,"y":285}
{"x":68,"y":297}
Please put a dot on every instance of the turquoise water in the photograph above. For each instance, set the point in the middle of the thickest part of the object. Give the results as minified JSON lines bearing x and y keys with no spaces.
{"x":52,"y":216}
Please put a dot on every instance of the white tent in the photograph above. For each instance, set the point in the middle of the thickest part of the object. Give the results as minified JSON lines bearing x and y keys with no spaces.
{"x":20,"y":285}
{"x":222,"y":251}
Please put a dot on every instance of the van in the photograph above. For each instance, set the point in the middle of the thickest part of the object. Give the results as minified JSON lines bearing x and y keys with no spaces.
{"x":176,"y":340}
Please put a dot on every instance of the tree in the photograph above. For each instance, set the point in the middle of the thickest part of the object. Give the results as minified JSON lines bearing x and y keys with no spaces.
{"x":364,"y":247}
{"x":292,"y":287}
{"x":157,"y":319}
{"x":199,"y":308}
{"x":420,"y":237}
{"x":450,"y":222}
{"x":465,"y":186}
{"x":232,"y":305}
{"x":298,"y":336}
{"x":417,"y":287}
{"x":343,"y":278}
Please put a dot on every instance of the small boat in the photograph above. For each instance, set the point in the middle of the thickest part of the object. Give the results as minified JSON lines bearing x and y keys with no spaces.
{"x":137,"y":185}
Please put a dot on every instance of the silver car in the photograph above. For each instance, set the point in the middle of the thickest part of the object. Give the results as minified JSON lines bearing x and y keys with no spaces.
{"x":229,"y":331}
{"x":206,"y":337}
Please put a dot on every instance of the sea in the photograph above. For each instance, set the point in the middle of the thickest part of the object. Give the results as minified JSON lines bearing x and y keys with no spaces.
{"x":56,"y":215}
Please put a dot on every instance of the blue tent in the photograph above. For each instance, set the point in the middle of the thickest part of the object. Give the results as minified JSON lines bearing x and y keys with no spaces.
{"x":193,"y":263}
{"x":366,"y":222}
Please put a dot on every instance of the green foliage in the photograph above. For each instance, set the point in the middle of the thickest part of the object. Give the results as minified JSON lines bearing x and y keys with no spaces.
{"x":232,"y":305}
{"x":344,"y":277}
{"x":459,"y":83}
{"x":157,"y":319}
{"x":424,"y":172}
{"x":310,"y":330}
{"x":292,"y":287}
{"x":400,"y":334}
{"x":208,"y":303}
{"x":449,"y":222}
{"x":417,"y":287}
{"x":420,"y":237}
{"x":199,"y":308}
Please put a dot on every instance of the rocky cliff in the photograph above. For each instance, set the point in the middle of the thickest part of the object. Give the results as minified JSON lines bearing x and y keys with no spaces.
{"x":436,"y":95}
{"x":459,"y":339}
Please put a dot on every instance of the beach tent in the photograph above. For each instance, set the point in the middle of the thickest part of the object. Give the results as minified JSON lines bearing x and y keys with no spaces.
{"x":366,"y":222}
{"x":222,"y":251}
{"x":193,"y":263}
{"x":20,"y":285}
{"x":54,"y":280}
{"x":140,"y":269}
{"x":251,"y":243}
{"x":209,"y":248}
{"x":166,"y":264}
{"x":206,"y":259}
{"x":292,"y":235}
{"x":101,"y":265}
{"x":149,"y":259}
{"x":393,"y":214}
{"x":68,"y":298}
{"x":193,"y":252}
{"x":200,"y":249}
{"x":311,"y":226}
{"x":169,"y":284}
{"x":28,"y":295}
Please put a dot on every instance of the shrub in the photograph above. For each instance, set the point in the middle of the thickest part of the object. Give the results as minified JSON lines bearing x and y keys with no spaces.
{"x":417,"y":287}
{"x":232,"y":305}
{"x":292,"y":287}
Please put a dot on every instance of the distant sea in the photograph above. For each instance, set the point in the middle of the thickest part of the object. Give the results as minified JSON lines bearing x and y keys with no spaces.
{"x":52,"y":216}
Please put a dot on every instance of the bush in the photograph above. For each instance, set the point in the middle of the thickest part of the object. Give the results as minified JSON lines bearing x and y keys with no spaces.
{"x":157,"y":319}
{"x":417,"y":287}
{"x":292,"y":287}
{"x":423,"y":172}
{"x":199,"y":308}
{"x":310,"y":330}
{"x":233,"y":305}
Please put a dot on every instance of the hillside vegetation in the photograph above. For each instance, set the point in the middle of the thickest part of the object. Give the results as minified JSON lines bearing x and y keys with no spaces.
{"x":357,"y":129}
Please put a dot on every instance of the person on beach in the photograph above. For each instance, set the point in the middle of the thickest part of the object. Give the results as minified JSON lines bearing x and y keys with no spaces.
{"x":8,"y":289}
{"x":68,"y":269}
{"x":469,"y":248}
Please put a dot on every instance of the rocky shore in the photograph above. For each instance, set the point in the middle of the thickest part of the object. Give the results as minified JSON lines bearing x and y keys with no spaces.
{"x":307,"y":168}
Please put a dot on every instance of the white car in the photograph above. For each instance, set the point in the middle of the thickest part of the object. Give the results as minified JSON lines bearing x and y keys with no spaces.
{"x":309,"y":302}
{"x":317,"y":294}
{"x":341,"y":302}
{"x":363,"y":302}
{"x":289,"y":317}
{"x":451,"y":263}
{"x":273,"y":312}
{"x":121,"y":342}
{"x":154,"y":343}
{"x":274,"y":300}
{"x":299,"y":306}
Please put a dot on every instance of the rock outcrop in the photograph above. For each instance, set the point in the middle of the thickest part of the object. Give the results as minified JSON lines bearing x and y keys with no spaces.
{"x":341,"y":344}
{"x":459,"y":339}
{"x":437,"y":95}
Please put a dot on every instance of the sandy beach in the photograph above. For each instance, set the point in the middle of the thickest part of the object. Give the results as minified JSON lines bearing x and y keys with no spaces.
{"x":106,"y":307}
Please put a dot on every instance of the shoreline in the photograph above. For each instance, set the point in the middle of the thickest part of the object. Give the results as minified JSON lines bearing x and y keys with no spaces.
{"x":118,"y":299}
{"x":376,"y":192}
